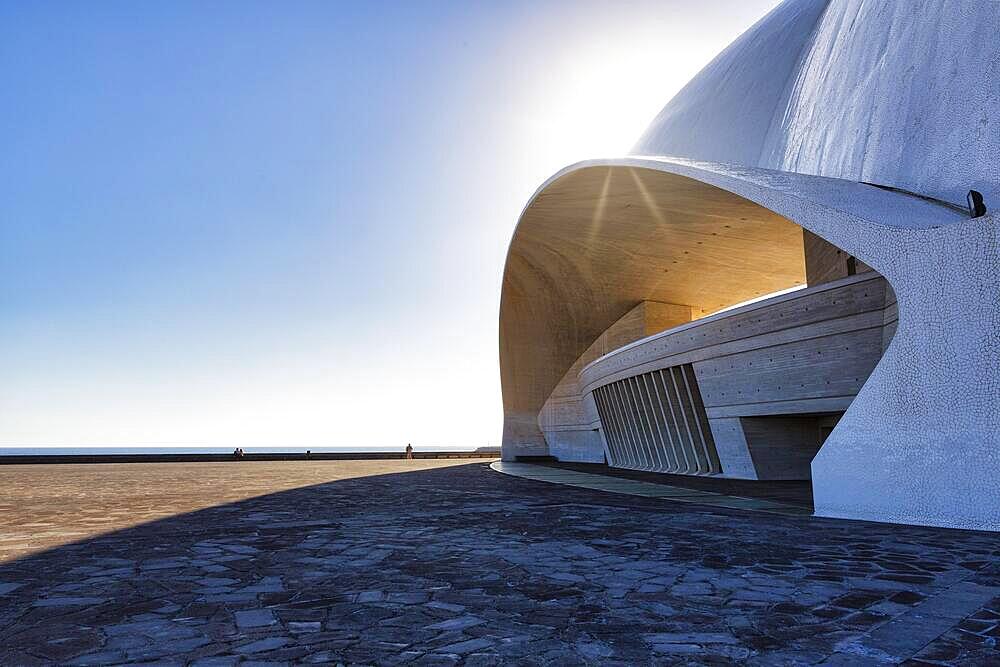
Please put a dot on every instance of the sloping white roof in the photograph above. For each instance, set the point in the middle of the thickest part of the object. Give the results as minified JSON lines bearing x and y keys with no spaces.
{"x":904,"y":94}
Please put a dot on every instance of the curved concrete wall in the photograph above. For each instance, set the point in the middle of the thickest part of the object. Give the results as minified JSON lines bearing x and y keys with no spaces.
{"x":920,"y":443}
{"x":902,"y":94}
{"x":725,"y":113}
{"x":789,"y":122}
{"x":598,"y":240}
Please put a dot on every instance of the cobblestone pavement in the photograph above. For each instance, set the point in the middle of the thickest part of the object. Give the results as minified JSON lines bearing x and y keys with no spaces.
{"x":458,"y":564}
{"x":43,"y":506}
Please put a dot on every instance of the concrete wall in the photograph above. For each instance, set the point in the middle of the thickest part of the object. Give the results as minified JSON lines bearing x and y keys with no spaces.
{"x":594,"y":244}
{"x":656,"y":421}
{"x":783,"y":446}
{"x":770,"y":373}
{"x":570,"y":426}
{"x":826,"y":262}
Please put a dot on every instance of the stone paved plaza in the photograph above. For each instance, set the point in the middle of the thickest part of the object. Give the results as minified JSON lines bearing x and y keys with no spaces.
{"x":442,"y":563}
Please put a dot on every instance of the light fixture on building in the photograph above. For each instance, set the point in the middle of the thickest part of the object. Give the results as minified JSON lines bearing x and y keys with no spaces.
{"x":977,"y":208}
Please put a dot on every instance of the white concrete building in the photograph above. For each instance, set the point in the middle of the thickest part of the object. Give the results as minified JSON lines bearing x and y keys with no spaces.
{"x":832,"y":147}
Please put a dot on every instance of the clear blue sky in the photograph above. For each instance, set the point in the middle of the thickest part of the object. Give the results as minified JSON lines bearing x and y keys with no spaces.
{"x":277,"y":223}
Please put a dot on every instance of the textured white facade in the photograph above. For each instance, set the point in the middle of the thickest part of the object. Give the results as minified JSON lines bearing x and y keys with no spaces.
{"x":799,"y":116}
{"x":904,"y":94}
{"x":897,"y":93}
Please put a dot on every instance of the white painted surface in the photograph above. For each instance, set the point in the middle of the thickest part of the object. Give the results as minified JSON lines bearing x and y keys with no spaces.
{"x":896,"y":93}
{"x":725,"y":112}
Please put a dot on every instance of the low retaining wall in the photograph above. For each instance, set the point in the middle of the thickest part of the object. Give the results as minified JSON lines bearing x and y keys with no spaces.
{"x":221,"y":458}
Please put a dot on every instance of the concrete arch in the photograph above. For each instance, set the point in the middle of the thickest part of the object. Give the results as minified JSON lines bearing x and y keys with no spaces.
{"x":920,"y":443}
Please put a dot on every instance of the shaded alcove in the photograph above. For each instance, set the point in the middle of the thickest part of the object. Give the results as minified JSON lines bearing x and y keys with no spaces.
{"x":598,"y":243}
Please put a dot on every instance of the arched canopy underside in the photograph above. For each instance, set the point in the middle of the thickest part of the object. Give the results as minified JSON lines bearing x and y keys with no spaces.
{"x":601,"y":236}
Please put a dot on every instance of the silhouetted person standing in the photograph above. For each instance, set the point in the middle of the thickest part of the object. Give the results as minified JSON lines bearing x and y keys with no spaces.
{"x":409,"y":451}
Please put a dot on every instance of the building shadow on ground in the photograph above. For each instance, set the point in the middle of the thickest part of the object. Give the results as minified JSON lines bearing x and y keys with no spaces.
{"x":451,"y":563}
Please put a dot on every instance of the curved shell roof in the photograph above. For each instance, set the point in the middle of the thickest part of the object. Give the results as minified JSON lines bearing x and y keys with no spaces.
{"x":777,"y":132}
{"x":880,"y":92}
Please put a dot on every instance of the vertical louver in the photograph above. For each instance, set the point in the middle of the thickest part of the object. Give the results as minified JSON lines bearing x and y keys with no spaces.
{"x":656,"y":421}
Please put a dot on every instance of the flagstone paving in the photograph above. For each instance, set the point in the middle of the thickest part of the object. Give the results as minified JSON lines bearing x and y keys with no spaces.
{"x":459,"y":564}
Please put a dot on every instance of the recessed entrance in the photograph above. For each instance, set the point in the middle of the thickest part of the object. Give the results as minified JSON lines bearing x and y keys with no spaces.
{"x":675,"y":385}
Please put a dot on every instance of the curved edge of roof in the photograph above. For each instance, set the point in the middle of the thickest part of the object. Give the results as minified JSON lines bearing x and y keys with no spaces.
{"x":787,"y":193}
